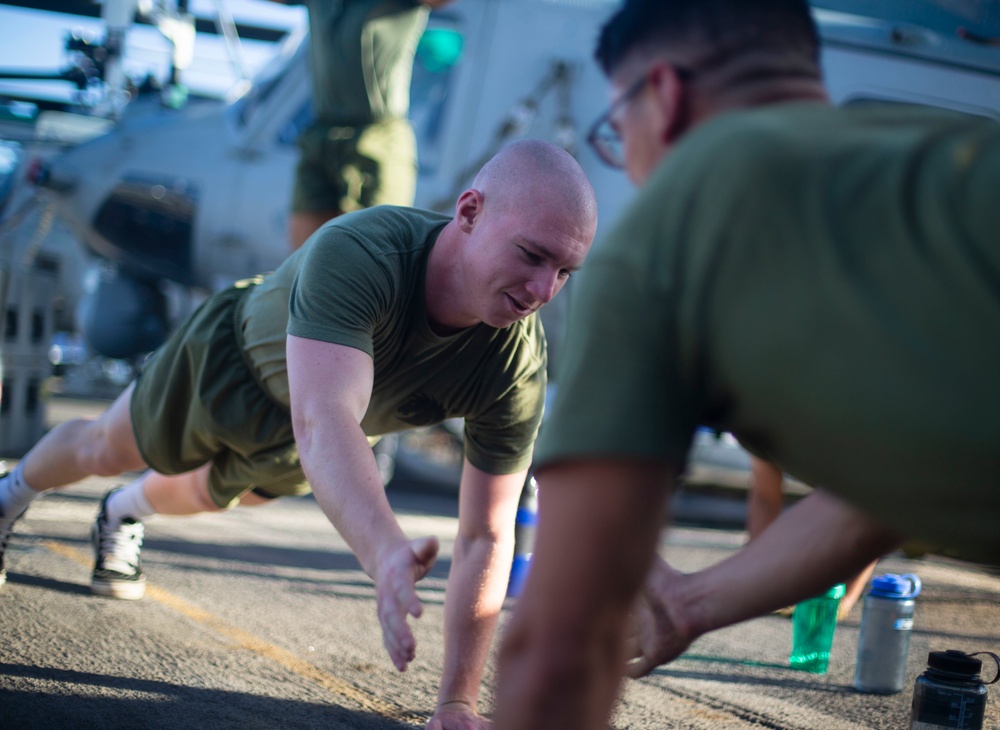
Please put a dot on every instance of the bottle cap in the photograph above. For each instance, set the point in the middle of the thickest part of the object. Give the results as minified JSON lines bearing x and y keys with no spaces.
{"x":895,"y":586}
{"x":954,"y":661}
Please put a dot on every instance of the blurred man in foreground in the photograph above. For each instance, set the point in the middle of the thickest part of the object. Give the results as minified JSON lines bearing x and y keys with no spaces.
{"x":857,"y":248}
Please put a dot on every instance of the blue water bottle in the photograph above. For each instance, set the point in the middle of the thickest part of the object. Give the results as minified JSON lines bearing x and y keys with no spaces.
{"x":524,"y":537}
{"x":884,"y":640}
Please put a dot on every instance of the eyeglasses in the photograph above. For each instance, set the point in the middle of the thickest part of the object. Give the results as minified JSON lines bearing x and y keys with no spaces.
{"x":604,"y":139}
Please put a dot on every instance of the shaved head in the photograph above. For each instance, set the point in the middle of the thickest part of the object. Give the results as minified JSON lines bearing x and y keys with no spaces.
{"x":519,"y":232}
{"x":529,"y":174}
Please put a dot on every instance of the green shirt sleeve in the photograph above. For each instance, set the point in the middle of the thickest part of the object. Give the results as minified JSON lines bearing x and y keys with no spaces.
{"x":341,"y":291}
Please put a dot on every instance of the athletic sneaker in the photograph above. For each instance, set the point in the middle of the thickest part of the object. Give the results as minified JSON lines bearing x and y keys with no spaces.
{"x":6,"y":528}
{"x":117,"y":569}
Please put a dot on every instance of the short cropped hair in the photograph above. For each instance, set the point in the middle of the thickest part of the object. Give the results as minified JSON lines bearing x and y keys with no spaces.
{"x":725,"y":28}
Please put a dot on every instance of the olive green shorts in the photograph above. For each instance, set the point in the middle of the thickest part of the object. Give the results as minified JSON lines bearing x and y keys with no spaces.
{"x":197,"y":400}
{"x":349,"y":168}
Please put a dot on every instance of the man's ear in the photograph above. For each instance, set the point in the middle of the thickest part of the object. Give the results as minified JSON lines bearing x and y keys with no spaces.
{"x":670,"y":92}
{"x":468,"y":209}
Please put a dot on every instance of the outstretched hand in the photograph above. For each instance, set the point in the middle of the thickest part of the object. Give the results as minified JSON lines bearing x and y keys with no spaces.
{"x":457,"y":716}
{"x":658,"y":636}
{"x":396,"y":590}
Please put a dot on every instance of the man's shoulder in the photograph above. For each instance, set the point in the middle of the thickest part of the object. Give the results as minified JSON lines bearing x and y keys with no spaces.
{"x":382,"y":248}
{"x":390,"y":212}
{"x":760,"y":143}
{"x":719,"y":165}
{"x":801,"y":126}
{"x":386,"y":228}
{"x":758,"y":131}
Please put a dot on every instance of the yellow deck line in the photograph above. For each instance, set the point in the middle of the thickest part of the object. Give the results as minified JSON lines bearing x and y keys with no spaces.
{"x":366,"y":700}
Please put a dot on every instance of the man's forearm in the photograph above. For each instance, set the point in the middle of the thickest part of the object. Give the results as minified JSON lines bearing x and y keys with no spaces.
{"x":476,"y":587}
{"x":478,"y":579}
{"x":817,"y":543}
{"x":344,"y":476}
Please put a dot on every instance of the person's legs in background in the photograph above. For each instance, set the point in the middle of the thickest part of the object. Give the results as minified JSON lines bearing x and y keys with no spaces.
{"x":766,"y":498}
{"x":343,"y":169}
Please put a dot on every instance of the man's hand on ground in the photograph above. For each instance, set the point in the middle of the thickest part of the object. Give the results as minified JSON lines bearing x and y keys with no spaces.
{"x":457,"y":716}
{"x":657,"y":635}
{"x":396,"y":589}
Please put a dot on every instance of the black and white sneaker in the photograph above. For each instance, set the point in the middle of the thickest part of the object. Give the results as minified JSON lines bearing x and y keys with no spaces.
{"x":6,"y":529}
{"x":117,"y":568}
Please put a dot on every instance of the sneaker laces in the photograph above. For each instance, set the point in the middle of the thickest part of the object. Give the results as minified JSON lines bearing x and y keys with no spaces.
{"x":5,"y":533}
{"x":6,"y":530}
{"x":119,"y":547}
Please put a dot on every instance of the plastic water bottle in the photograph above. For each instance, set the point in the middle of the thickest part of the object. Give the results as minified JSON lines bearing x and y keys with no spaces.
{"x":813,"y":625}
{"x":884,"y":640}
{"x":950,"y":693}
{"x":524,"y":537}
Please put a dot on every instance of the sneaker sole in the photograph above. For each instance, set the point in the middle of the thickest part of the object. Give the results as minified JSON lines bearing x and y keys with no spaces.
{"x":125,"y":591}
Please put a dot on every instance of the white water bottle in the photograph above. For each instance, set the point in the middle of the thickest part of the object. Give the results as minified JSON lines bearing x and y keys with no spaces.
{"x":884,"y":640}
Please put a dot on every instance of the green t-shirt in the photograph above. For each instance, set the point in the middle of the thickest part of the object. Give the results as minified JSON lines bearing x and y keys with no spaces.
{"x":361,"y":58}
{"x":823,"y":283}
{"x":359,"y":282}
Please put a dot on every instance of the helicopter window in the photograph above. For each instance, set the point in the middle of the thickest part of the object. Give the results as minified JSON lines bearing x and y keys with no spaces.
{"x":10,"y":329}
{"x":149,"y":223}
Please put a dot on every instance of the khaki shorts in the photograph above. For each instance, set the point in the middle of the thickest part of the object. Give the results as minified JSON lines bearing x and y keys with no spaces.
{"x":350,"y":168}
{"x":197,"y":400}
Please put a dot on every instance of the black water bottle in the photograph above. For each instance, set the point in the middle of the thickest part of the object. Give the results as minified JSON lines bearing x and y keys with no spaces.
{"x":950,"y":694}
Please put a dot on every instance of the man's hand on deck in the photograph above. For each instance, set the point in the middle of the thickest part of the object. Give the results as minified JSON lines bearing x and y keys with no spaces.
{"x":658,"y":635}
